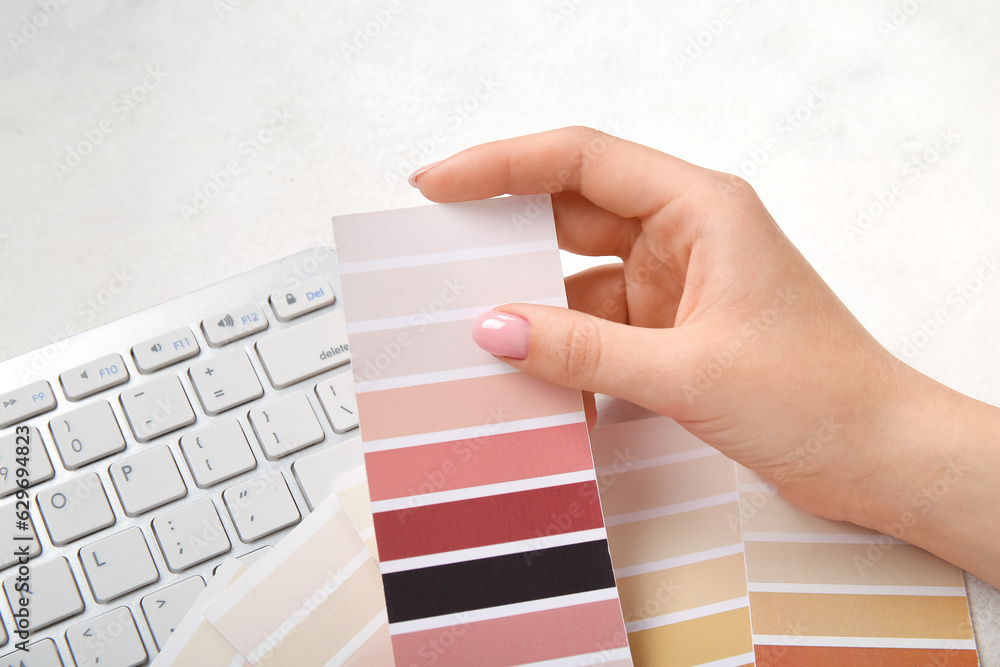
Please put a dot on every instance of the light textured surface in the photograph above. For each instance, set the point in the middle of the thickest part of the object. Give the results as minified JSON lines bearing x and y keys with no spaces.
{"x":86,"y":244}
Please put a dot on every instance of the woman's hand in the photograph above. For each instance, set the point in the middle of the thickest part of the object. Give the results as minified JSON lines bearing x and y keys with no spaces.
{"x":716,"y":320}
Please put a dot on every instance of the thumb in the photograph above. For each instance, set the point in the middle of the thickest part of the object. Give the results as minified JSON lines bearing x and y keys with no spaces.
{"x":573,"y":349}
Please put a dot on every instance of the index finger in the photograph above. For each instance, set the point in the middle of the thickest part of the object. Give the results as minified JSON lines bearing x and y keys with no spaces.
{"x":628,"y":179}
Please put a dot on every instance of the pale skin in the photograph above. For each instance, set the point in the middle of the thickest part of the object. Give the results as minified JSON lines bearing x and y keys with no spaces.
{"x":714,"y":319}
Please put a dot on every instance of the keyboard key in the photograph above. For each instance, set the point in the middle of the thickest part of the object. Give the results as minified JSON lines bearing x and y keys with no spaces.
{"x":314,"y":473}
{"x":3,"y":635}
{"x":233,"y":324}
{"x":303,"y":298}
{"x":16,"y":539}
{"x":98,"y":375}
{"x":147,"y":480}
{"x":108,"y":640}
{"x":28,"y":401}
{"x":166,"y":350}
{"x":261,"y":506}
{"x":339,"y":402}
{"x":190,"y":535}
{"x":118,"y":564}
{"x":167,"y":607}
{"x":39,"y":654}
{"x":75,"y":508}
{"x":157,"y":407}
{"x":286,"y":425}
{"x":86,"y":434}
{"x":53,"y":597}
{"x":39,"y":466}
{"x":305,"y":350}
{"x":224,"y":382}
{"x":217,"y":453}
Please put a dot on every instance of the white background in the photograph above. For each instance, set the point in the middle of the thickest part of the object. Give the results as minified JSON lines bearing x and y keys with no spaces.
{"x":723,"y":84}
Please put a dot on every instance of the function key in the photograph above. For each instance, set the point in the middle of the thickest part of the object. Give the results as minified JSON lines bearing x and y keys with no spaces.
{"x":165,"y":350}
{"x":90,"y":378}
{"x":303,"y":298}
{"x":28,"y":401}
{"x":233,"y":324}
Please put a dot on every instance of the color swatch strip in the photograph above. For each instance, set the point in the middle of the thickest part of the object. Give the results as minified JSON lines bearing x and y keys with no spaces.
{"x":671,"y":507}
{"x":315,"y":599}
{"x":483,"y":491}
{"x":831,"y":593}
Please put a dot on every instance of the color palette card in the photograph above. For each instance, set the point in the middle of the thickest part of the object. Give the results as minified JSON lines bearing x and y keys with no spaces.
{"x":831,"y":593}
{"x":195,"y":642}
{"x":671,"y":506}
{"x":714,"y":568}
{"x":486,"y":511}
{"x":315,"y":599}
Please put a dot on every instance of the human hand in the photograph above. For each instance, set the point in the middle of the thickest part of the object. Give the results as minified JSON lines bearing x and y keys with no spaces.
{"x":712,"y":318}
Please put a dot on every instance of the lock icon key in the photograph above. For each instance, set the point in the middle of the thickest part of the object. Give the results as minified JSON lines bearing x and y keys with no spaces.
{"x":289,"y":299}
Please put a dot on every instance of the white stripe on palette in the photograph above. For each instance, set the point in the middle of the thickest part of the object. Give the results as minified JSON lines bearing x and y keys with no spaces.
{"x":679,"y":457}
{"x":484,"y":491}
{"x":423,"y":319}
{"x":358,"y":640}
{"x":821,"y":538}
{"x":669,"y":510}
{"x":865,"y":642}
{"x":418,"y":379}
{"x":597,"y":658}
{"x":678,"y":561}
{"x":688,"y":614}
{"x":854,"y":589}
{"x":474,"y":432}
{"x":426,"y":259}
{"x":490,"y":550}
{"x":502,"y":611}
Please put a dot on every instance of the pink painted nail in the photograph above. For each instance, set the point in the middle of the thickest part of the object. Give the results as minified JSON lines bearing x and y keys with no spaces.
{"x":412,"y":180}
{"x":502,"y":334}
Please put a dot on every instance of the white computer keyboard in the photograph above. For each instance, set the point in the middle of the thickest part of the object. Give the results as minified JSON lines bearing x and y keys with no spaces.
{"x":160,"y":444}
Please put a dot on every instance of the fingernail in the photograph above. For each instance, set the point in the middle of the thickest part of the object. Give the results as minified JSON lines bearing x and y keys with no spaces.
{"x":412,"y":180}
{"x":502,"y":334}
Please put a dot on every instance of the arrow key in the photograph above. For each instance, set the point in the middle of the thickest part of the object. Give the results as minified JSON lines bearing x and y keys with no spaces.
{"x":165,"y":608}
{"x":108,"y":640}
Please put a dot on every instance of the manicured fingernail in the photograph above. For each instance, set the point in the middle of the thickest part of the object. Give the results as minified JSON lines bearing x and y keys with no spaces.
{"x":502,"y":334}
{"x":412,"y":180}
